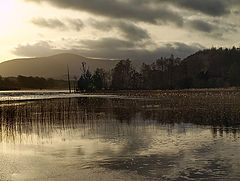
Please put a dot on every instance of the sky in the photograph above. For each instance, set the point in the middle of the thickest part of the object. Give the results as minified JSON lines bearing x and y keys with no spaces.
{"x":116,"y":29}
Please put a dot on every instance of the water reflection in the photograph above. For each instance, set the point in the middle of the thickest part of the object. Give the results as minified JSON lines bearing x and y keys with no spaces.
{"x":110,"y":139}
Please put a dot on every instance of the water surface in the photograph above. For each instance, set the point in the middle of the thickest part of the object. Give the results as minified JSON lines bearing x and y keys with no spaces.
{"x":118,"y":138}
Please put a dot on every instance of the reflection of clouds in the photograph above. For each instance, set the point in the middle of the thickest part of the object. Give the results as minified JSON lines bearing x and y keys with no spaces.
{"x":191,"y":155}
{"x":204,"y":162}
{"x":209,"y":161}
{"x":149,"y":166}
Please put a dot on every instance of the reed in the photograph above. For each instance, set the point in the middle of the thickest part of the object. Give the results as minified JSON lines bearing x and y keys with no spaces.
{"x":219,"y":109}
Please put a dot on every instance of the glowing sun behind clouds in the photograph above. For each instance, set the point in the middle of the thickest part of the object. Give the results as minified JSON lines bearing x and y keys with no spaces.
{"x":8,"y":10}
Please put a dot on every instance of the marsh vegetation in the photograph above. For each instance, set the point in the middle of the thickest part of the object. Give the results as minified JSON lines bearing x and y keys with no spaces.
{"x":127,"y":135}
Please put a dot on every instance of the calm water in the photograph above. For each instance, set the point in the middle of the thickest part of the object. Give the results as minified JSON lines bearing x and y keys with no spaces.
{"x":117,"y":138}
{"x":41,"y":94}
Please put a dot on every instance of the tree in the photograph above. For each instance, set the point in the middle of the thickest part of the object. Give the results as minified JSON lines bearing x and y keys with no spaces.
{"x":234,"y":74}
{"x":85,"y":81}
{"x":99,"y":79}
{"x":146,"y":72}
{"x":122,"y":75}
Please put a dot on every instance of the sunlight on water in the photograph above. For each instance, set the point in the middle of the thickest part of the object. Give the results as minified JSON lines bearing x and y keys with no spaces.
{"x":43,"y":94}
{"x":112,"y":139}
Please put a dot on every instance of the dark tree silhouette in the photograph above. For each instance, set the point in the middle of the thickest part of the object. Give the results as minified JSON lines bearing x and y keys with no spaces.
{"x":122,"y":75}
{"x":99,"y":80}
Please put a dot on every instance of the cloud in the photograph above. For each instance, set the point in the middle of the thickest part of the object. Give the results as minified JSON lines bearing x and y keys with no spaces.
{"x":144,"y":10}
{"x":203,"y":26}
{"x":106,"y":43}
{"x":109,"y":48}
{"x":208,"y":7}
{"x":38,"y":49}
{"x":215,"y":8}
{"x":121,"y":10}
{"x":129,"y":30}
{"x":215,"y":29}
{"x":48,"y":23}
{"x":76,"y":24}
{"x":54,"y":23}
{"x":126,"y":15}
{"x":144,"y":55}
{"x":132,"y":32}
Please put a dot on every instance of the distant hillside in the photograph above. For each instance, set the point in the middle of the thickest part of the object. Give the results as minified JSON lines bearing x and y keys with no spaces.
{"x":52,"y":66}
{"x":212,"y":68}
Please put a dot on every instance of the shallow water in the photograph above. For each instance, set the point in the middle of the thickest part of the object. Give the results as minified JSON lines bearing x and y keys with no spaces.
{"x":41,"y":94}
{"x":100,"y":138}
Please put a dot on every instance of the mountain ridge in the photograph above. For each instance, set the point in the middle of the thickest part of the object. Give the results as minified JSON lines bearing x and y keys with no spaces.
{"x":54,"y":66}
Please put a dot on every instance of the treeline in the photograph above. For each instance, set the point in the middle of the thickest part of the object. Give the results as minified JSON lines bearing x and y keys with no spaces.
{"x":23,"y":82}
{"x":211,"y":68}
{"x":124,"y":76}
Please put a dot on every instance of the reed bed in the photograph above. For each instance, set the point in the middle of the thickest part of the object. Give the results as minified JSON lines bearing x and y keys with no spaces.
{"x":219,"y":109}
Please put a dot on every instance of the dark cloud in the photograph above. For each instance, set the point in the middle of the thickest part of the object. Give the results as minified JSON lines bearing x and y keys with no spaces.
{"x":101,"y":25}
{"x":109,"y":48}
{"x":143,"y":10}
{"x":54,"y":23}
{"x":202,"y":26}
{"x":107,"y":43}
{"x":132,"y":32}
{"x":124,"y":15}
{"x":178,"y":49}
{"x":121,"y":10}
{"x":129,"y":30}
{"x":215,"y":29}
{"x":209,"y":7}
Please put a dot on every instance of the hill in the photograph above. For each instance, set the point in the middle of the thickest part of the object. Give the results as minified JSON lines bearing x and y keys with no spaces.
{"x":212,"y":68}
{"x":52,"y":66}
